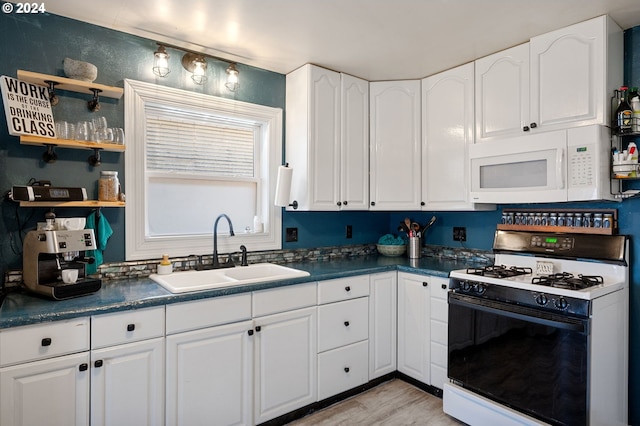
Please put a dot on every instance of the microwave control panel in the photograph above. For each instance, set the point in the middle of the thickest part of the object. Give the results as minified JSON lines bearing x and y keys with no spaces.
{"x":582,"y":160}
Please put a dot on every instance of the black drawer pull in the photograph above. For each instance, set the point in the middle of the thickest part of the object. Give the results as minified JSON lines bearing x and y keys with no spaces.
{"x":424,"y":284}
{"x":46,"y":341}
{"x":444,"y":286}
{"x":98,"y":363}
{"x":250,"y":332}
{"x":346,"y":323}
{"x":258,"y":328}
{"x":346,"y":369}
{"x":83,"y":367}
{"x":347,"y":288}
{"x":131,"y":327}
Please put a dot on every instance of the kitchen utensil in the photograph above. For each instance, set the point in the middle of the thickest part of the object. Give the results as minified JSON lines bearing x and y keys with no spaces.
{"x":428,"y":225}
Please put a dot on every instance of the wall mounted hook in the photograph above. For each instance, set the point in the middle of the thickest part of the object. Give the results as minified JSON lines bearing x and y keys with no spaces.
{"x":95,"y":159}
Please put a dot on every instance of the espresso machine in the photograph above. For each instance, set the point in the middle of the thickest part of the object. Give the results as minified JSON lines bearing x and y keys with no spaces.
{"x":48,"y":252}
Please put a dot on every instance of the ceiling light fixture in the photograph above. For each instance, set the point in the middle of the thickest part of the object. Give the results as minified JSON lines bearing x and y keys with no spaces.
{"x":161,"y":62}
{"x":195,"y":63}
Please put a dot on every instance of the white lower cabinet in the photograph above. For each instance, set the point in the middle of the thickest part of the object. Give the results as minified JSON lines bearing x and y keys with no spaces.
{"x":439,"y":331}
{"x":44,"y":374}
{"x":382,"y":324}
{"x":414,"y":326}
{"x":210,"y":376}
{"x":342,"y":369}
{"x":285,"y":363}
{"x":127,"y":368}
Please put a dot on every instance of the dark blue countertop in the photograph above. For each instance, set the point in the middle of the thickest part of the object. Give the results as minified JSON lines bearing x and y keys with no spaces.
{"x":119,"y":295}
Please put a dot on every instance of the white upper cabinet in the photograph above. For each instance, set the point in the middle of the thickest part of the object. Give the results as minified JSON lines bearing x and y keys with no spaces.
{"x":574,"y":71}
{"x":558,"y":80}
{"x":395,"y":163}
{"x":502,"y":93}
{"x":327,"y":139}
{"x":354,"y":153}
{"x":447,"y":132}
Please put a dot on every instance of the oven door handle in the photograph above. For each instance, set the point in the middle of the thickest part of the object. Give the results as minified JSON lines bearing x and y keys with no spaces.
{"x":520,"y":312}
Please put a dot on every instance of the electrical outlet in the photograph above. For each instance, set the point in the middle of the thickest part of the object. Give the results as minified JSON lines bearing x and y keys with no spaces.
{"x":291,"y":235}
{"x":459,"y":233}
{"x":349,"y":231}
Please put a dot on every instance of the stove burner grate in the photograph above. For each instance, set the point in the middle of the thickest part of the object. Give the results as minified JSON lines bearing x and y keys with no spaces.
{"x":499,"y":271}
{"x":568,"y":281}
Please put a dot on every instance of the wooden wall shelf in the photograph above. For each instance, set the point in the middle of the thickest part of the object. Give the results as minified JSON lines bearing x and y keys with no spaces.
{"x":70,"y":84}
{"x":63,"y":204}
{"x":66,"y":143}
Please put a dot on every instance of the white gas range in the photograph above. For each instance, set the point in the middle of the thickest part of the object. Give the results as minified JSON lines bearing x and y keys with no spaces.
{"x":541,"y":336}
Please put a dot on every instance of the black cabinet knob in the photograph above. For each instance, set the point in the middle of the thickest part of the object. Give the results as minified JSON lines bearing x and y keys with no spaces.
{"x":250,"y":332}
{"x":533,"y":125}
{"x":424,"y":283}
{"x":98,"y":363}
{"x":346,"y":369}
{"x":422,"y":203}
{"x":525,"y":128}
{"x":347,"y":288}
{"x":444,"y":286}
{"x":345,"y":202}
{"x":83,"y":367}
{"x":258,"y":328}
{"x":339,"y":203}
{"x":131,"y":327}
{"x":373,"y":203}
{"x":346,"y":323}
{"x":46,"y":341}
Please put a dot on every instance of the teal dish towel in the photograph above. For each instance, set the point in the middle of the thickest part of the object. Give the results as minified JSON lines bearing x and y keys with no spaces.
{"x":103,"y":232}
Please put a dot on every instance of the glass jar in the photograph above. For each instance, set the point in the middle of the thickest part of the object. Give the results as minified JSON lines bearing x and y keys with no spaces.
{"x":545,"y":219}
{"x":530,"y":218}
{"x":562,"y":219}
{"x":587,"y":220}
{"x":597,"y":220}
{"x":108,"y":186}
{"x":569,"y":219}
{"x":607,"y":220}
{"x":577,"y":220}
{"x":518,"y":219}
{"x":553,"y":219}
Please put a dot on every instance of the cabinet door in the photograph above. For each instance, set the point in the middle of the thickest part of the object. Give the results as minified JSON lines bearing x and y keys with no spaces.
{"x":382,"y":324}
{"x":395,"y":145}
{"x":50,"y":392}
{"x":502,"y":93}
{"x":354,"y":158}
{"x":568,"y":76}
{"x":414,"y":326}
{"x":127,"y":384}
{"x":210,"y":376}
{"x":285,"y":363}
{"x":447,"y":130}
{"x":439,"y":331}
{"x":313,"y":137}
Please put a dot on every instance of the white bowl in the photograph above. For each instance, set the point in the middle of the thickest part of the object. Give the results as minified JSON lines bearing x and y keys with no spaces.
{"x":391,"y":250}
{"x":79,"y":70}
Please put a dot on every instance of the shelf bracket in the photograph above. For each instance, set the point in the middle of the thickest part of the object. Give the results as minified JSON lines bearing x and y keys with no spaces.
{"x":95,"y":159}
{"x":53,"y":98}
{"x":49,"y":155}
{"x":94,"y":104}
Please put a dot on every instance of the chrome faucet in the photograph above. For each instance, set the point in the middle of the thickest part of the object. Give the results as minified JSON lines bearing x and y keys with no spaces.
{"x":216,"y":263}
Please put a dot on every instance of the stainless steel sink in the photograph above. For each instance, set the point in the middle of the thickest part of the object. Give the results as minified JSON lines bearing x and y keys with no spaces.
{"x":182,"y":282}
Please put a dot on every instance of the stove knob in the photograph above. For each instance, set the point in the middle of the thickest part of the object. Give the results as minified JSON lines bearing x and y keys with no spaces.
{"x":541,"y":299}
{"x":480,"y":288}
{"x":561,"y":303}
{"x":465,"y":285}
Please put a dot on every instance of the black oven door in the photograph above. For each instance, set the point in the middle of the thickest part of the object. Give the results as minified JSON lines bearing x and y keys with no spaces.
{"x":530,"y":360}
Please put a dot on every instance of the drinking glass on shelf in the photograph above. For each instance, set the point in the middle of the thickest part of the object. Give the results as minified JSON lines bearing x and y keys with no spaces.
{"x":99,"y":123}
{"x":84,"y":129}
{"x":118,"y":135}
{"x":104,"y":135}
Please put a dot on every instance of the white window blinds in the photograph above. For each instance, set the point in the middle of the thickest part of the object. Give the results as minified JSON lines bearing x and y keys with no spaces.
{"x":192,"y":143}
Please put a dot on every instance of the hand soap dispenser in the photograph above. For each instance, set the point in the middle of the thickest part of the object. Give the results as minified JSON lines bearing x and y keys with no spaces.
{"x":165,"y":266}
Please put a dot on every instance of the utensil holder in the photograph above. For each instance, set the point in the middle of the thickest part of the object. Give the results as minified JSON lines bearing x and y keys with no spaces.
{"x":414,"y":248}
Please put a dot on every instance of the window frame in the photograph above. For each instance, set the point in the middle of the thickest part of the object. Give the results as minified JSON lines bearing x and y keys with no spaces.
{"x":138,"y":246}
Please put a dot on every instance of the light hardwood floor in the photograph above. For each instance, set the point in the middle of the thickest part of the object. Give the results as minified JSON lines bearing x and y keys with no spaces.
{"x":393,"y":403}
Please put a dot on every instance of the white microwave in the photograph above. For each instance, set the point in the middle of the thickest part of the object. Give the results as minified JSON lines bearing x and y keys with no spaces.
{"x":564,"y":165}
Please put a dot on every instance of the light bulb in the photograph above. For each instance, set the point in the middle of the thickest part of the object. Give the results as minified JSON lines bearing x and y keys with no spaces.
{"x":161,"y":62}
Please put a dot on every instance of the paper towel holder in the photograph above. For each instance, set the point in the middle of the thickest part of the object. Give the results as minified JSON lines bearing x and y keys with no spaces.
{"x":283,"y":190}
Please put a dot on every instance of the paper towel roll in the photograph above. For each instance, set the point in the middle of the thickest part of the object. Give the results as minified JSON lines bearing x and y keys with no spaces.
{"x":283,"y":186}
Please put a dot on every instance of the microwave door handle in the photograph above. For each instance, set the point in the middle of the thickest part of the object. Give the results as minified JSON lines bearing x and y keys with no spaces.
{"x":560,"y":168}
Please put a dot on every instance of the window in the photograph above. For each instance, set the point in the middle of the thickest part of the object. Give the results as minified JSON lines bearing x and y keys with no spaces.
{"x":191,"y":157}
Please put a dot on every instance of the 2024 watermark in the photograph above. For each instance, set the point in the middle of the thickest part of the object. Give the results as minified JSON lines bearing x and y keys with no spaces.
{"x":23,"y":8}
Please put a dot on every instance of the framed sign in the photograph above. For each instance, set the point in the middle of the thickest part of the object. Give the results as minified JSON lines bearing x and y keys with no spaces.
{"x":27,"y":108}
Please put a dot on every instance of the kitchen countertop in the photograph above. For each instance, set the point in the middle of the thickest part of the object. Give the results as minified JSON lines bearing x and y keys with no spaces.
{"x":22,"y":308}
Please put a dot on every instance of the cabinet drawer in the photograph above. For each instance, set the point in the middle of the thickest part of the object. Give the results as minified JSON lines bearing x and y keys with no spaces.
{"x":439,"y":332}
{"x":343,"y":289}
{"x":283,"y":299}
{"x":208,"y":312}
{"x":40,"y":341}
{"x":439,"y":354}
{"x":343,"y":369}
{"x":342,"y":323}
{"x":126,"y":327}
{"x":439,"y":288}
{"x":438,"y":376}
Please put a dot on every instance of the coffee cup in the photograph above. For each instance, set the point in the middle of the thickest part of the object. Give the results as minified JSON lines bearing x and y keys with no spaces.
{"x":74,"y":223}
{"x":69,"y":276}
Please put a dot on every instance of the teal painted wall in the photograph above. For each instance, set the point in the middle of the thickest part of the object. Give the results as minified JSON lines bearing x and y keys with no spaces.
{"x":40,"y":43}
